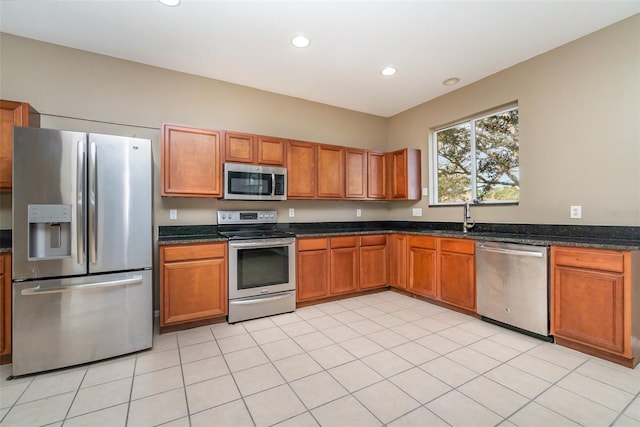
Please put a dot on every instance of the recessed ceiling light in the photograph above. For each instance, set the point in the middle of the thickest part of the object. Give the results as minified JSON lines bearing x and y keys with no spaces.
{"x":389,"y":71}
{"x":300,"y":41}
{"x":170,"y":2}
{"x":451,"y":81}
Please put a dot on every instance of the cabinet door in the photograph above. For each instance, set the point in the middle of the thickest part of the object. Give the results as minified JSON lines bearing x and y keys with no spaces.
{"x":190,"y":163}
{"x":194,"y":290}
{"x":344,"y":270}
{"x":376,"y":175}
{"x":457,"y":279}
{"x":12,"y":114}
{"x":355,"y":174}
{"x":588,"y":308}
{"x":373,"y":266}
{"x":422,"y":266}
{"x":330,"y":181}
{"x":301,"y":170}
{"x":312,"y":272}
{"x":271,"y":151}
{"x":239,"y":147}
{"x":398,"y":261}
{"x":404,"y":175}
{"x":5,"y":304}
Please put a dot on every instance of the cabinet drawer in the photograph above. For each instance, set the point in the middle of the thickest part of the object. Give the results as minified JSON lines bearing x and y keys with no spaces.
{"x":462,"y":246}
{"x":594,"y":259}
{"x":344,"y":242}
{"x":197,"y":251}
{"x":312,"y":244}
{"x":376,"y":240}
{"x":425,"y":242}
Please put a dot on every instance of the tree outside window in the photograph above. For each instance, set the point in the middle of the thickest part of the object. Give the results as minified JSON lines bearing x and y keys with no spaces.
{"x":478,"y":160}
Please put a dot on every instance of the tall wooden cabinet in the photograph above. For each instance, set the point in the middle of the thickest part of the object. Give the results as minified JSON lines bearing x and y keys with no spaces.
{"x":5,"y":308}
{"x":191,"y":163}
{"x":12,"y":114}
{"x":193,"y":284}
{"x":592,"y":291}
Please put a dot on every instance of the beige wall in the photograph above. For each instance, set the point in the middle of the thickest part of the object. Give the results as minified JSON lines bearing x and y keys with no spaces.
{"x":579,"y":125}
{"x":579,"y":131}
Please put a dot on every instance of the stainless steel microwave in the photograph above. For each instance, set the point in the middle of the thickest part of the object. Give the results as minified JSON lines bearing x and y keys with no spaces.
{"x":254,"y":182}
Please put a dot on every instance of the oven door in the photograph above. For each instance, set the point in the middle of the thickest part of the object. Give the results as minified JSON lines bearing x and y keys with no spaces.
{"x":261,"y":267}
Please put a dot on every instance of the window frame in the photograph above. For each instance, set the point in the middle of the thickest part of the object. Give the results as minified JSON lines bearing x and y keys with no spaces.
{"x":433,"y":158}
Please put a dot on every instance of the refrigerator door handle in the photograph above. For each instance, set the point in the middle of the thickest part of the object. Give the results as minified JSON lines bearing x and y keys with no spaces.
{"x":60,"y":289}
{"x":80,"y":185}
{"x":93,"y":201}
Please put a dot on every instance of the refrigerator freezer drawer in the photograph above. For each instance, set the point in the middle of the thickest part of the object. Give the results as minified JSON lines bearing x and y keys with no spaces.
{"x":65,"y":322}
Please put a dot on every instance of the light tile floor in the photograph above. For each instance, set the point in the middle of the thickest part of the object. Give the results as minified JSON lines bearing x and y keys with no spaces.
{"x":381,"y":359}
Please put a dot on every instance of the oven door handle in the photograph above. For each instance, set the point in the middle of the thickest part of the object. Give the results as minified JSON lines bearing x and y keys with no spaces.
{"x":264,"y":243}
{"x":261,"y":299}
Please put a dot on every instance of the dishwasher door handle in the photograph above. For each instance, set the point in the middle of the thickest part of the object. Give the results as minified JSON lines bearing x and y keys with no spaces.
{"x":510,"y":251}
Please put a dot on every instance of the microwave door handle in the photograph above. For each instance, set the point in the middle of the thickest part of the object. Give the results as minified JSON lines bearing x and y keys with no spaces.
{"x":273,"y":184}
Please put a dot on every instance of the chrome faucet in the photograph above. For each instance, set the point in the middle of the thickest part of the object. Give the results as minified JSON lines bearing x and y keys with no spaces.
{"x":467,"y":224}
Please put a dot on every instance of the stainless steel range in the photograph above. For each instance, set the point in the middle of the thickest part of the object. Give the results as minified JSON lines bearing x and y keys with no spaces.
{"x":262,"y":266}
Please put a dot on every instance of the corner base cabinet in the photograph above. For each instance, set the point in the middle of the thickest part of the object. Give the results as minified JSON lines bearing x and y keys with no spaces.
{"x":193,"y":285}
{"x":592,"y":294}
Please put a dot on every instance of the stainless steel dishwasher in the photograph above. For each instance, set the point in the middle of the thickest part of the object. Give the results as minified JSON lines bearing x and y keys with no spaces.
{"x":513,"y":287}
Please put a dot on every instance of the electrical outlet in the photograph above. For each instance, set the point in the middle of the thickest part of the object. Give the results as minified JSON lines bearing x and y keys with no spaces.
{"x":173,"y":214}
{"x":576,"y":212}
{"x":358,"y":213}
{"x":425,"y":191}
{"x":292,"y":212}
{"x":416,"y":211}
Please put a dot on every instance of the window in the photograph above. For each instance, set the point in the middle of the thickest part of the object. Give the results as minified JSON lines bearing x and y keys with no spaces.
{"x":477,"y":159}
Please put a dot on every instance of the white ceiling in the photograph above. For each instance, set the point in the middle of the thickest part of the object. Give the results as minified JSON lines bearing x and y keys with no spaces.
{"x":247,"y":42}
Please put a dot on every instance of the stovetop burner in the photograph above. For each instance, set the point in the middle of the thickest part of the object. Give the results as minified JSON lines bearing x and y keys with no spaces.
{"x":243,"y":225}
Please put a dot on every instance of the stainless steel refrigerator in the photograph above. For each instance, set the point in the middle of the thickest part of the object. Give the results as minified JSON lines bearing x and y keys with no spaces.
{"x":82,"y":248}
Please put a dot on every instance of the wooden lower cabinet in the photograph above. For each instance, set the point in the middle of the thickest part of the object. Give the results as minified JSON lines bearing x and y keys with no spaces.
{"x":457,"y":272}
{"x":5,"y":308}
{"x":312,"y":268}
{"x":193,"y":283}
{"x":340,"y":265}
{"x":422,"y":264}
{"x":591,"y":298}
{"x":373,"y":261}
{"x":398,"y":260}
{"x":343,"y":265}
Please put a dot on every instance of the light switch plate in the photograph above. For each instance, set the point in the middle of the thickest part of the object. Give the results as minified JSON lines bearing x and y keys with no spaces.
{"x":416,"y":211}
{"x":576,"y":212}
{"x":173,"y":214}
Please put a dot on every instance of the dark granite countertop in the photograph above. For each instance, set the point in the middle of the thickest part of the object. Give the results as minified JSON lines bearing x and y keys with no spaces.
{"x":5,"y":241}
{"x":604,"y":237}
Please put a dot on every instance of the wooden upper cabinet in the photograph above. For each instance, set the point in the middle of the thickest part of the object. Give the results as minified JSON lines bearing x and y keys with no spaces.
{"x":355,"y":173}
{"x":301,"y":170}
{"x":404,"y":174}
{"x":330,"y":180}
{"x":190,"y":162}
{"x":239,"y":147}
{"x":271,"y":151}
{"x":376,"y":175}
{"x":12,"y":114}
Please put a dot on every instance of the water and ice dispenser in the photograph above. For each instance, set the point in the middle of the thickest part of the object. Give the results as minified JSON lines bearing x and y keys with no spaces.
{"x":49,"y":231}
